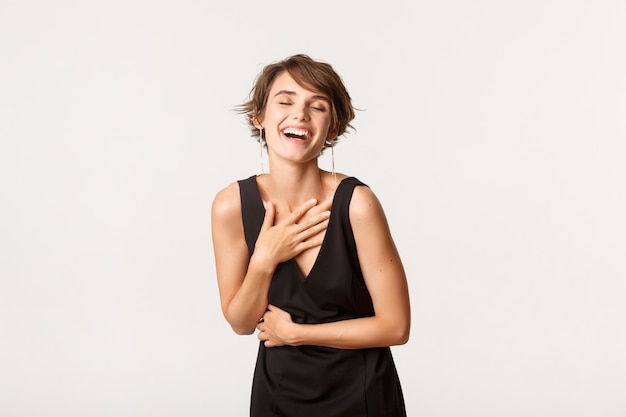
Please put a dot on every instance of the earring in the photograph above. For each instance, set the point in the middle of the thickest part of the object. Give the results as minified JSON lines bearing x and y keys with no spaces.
{"x":332,"y":163}
{"x":261,"y":140}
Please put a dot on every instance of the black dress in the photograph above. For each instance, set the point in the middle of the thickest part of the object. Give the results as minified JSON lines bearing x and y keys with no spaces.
{"x":316,"y":381}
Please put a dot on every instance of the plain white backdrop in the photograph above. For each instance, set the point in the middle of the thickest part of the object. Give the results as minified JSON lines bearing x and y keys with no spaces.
{"x":493,"y":132}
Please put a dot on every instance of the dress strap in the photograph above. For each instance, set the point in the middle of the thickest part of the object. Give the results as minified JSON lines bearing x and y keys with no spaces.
{"x":343,"y":197}
{"x":252,"y":211}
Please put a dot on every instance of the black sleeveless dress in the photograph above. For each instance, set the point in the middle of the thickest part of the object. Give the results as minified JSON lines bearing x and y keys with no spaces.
{"x":316,"y":381}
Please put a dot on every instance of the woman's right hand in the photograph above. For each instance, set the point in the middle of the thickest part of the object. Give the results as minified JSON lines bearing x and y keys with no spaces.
{"x":301,"y":230}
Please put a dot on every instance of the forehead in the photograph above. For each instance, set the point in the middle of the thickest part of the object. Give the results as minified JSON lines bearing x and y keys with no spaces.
{"x":286,"y":84}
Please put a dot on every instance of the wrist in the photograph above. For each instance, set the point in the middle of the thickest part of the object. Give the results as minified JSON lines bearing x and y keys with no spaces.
{"x":295,"y":334}
{"x":261,"y":264}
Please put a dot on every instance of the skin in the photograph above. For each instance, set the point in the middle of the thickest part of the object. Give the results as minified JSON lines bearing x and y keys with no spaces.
{"x":297,"y":196}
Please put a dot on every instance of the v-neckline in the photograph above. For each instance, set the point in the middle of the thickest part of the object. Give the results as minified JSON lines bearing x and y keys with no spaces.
{"x":305,"y":277}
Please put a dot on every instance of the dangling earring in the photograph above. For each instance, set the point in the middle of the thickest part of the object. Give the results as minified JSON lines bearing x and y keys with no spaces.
{"x":261,"y":149}
{"x":332,"y":163}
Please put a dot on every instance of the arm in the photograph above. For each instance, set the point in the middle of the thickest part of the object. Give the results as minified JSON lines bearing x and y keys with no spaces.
{"x":385,"y":279}
{"x":242,"y":305}
{"x":244,"y":282}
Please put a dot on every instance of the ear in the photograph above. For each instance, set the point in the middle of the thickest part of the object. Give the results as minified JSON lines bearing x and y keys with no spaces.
{"x":332,"y":135}
{"x":257,"y":120}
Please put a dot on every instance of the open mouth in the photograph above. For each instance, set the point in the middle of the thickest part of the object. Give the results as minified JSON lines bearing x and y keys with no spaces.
{"x":293,"y":133}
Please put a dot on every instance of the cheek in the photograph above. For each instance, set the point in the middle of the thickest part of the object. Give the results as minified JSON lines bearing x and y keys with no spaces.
{"x":323,"y":121}
{"x":278,"y":116}
{"x":327,"y":128}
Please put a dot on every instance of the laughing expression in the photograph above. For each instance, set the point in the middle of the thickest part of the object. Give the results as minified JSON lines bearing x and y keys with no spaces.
{"x":296,"y":120}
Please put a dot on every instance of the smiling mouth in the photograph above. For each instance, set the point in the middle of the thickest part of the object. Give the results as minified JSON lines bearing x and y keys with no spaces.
{"x":294,"y":133}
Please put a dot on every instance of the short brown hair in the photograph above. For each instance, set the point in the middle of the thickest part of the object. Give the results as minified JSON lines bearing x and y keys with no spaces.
{"x":311,"y":74}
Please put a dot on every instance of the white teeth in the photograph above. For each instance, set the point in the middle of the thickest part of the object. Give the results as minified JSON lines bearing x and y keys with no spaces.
{"x":294,"y":131}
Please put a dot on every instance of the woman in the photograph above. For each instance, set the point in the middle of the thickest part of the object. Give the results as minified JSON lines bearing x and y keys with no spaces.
{"x":305,"y":257}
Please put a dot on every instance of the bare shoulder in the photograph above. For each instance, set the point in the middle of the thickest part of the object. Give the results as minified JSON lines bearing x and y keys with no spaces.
{"x":364,"y":205}
{"x":227,"y":203}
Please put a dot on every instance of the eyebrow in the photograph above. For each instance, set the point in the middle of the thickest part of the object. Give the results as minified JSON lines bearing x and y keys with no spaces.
{"x":293,"y":93}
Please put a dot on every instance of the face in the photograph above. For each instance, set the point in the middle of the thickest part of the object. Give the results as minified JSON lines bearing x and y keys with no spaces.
{"x":296,"y":121}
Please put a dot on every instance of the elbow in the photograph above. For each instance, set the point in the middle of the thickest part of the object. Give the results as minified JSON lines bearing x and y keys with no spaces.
{"x":404,"y":337}
{"x":395,"y":330}
{"x":239,"y":325}
{"x":242,"y":330}
{"x":401,"y":334}
{"x":400,"y":338}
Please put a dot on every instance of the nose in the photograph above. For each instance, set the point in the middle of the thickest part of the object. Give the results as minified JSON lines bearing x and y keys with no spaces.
{"x":300,"y":112}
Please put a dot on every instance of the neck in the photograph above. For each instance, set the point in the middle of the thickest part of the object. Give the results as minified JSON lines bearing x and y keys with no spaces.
{"x":290,"y":186}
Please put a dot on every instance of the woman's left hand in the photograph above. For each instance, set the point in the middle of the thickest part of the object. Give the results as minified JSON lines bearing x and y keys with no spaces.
{"x":276,"y":327}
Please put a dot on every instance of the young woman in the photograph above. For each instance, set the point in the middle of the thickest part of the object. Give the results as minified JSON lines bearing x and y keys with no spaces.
{"x":306,"y":258}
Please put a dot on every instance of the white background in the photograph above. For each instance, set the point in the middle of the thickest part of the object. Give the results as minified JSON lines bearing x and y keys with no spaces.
{"x":492,"y":131}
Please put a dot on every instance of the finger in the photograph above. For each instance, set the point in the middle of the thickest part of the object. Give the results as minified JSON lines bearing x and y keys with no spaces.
{"x":319,"y":208}
{"x":311,"y":237}
{"x":270,"y":210}
{"x":320,"y":220}
{"x":313,"y":230}
{"x":302,"y":209}
{"x":309,"y":244}
{"x":326,"y":204}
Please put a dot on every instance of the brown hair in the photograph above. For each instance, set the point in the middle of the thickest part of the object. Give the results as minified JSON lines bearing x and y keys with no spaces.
{"x":311,"y":74}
